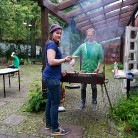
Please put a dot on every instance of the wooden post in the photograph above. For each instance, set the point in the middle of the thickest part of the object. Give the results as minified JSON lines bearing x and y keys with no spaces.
{"x":44,"y":33}
{"x":121,"y":49}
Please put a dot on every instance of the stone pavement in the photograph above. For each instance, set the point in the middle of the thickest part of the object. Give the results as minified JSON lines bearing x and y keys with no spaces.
{"x":75,"y":131}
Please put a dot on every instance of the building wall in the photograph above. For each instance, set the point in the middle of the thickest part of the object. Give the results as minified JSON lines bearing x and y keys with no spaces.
{"x":111,"y":52}
{"x":23,"y":47}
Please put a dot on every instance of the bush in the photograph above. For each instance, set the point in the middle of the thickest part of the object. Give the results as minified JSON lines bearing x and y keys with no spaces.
{"x":36,"y":100}
{"x":125,"y":112}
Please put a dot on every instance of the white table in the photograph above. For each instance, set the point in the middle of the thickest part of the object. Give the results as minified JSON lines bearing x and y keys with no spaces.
{"x":122,"y":74}
{"x":6,"y":71}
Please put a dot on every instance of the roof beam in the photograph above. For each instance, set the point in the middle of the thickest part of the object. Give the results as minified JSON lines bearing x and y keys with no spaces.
{"x":122,"y":23}
{"x":85,"y":26}
{"x":54,"y":11}
{"x":95,"y":5}
{"x":109,"y":29}
{"x":108,"y":37}
{"x":98,"y":24}
{"x":90,"y":7}
{"x":134,"y":12}
{"x":106,"y":10}
{"x":66,"y":4}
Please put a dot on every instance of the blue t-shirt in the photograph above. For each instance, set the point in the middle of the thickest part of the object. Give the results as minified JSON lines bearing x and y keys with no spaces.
{"x":52,"y":72}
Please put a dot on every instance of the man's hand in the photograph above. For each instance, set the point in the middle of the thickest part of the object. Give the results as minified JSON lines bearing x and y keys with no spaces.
{"x":96,"y":70}
{"x":72,"y":63}
{"x":13,"y":53}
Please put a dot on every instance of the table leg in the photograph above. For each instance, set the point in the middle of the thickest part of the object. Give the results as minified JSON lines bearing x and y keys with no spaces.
{"x":128,"y":87}
{"x":4,"y":86}
{"x":9,"y":80}
{"x":19,"y":79}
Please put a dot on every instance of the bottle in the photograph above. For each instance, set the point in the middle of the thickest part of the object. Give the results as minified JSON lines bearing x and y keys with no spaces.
{"x":115,"y":68}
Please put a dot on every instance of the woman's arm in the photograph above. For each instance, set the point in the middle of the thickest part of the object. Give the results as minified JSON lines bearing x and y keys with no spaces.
{"x":51,"y":53}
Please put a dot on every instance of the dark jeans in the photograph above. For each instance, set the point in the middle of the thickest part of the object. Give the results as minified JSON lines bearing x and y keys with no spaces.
{"x":53,"y":101}
{"x":12,"y":66}
{"x":94,"y":92}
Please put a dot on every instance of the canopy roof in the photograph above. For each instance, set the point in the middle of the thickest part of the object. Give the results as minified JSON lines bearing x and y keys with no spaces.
{"x":108,"y":17}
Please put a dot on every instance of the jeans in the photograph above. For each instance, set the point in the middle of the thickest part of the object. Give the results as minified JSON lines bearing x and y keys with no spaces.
{"x":12,"y":66}
{"x":51,"y":110}
{"x":94,"y":92}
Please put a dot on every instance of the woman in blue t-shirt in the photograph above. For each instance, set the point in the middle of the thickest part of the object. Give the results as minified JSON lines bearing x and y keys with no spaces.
{"x":51,"y":77}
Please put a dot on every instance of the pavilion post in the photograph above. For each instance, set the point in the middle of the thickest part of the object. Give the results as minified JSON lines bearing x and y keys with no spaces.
{"x":44,"y":35}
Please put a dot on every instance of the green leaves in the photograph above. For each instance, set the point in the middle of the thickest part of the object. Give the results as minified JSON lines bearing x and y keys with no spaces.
{"x":36,"y":100}
{"x":125,"y":112}
{"x":12,"y":16}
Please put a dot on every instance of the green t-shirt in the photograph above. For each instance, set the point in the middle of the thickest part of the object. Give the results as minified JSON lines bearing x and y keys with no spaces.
{"x":91,"y":56}
{"x":16,"y":61}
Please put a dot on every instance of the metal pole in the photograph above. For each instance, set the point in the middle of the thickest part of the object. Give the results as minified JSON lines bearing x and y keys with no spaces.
{"x":27,"y":39}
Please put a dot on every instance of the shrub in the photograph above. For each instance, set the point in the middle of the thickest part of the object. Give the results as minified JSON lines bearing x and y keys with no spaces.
{"x":125,"y":112}
{"x":36,"y":100}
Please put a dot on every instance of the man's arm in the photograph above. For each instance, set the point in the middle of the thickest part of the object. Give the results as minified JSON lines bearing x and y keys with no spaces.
{"x":98,"y":66}
{"x":12,"y":55}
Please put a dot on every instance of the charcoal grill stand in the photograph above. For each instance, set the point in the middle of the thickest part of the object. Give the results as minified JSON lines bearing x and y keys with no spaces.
{"x":92,"y":80}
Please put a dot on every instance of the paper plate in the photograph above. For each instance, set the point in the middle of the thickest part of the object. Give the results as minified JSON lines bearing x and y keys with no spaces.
{"x":74,"y":56}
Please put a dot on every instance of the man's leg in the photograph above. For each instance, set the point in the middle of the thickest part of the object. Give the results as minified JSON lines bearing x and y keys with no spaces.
{"x":94,"y":96}
{"x":83,"y":96}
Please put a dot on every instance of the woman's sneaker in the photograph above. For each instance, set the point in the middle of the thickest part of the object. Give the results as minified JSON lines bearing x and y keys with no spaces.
{"x":60,"y":132}
{"x":49,"y":127}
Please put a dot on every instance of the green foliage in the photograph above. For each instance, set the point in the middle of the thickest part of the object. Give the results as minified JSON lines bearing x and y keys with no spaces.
{"x":120,"y":66}
{"x":125,"y":112}
{"x":36,"y":100}
{"x":12,"y":16}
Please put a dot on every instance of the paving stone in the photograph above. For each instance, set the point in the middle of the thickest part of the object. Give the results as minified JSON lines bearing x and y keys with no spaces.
{"x":2,"y":103}
{"x":75,"y":131}
{"x":11,"y":134}
{"x":11,"y":137}
{"x":14,"y":119}
{"x":22,"y":136}
{"x":32,"y":137}
{"x":2,"y":132}
{"x":3,"y":136}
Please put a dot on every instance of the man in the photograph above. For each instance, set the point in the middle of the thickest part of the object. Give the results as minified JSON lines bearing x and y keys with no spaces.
{"x":91,"y":53}
{"x":15,"y":61}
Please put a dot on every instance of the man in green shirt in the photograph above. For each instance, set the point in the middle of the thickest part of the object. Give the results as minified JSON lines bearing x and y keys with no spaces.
{"x":91,"y":53}
{"x":15,"y":61}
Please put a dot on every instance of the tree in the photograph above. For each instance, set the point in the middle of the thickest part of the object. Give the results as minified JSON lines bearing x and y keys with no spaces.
{"x":13,"y":14}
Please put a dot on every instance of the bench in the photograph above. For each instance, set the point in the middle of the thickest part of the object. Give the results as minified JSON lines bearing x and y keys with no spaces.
{"x":34,"y":61}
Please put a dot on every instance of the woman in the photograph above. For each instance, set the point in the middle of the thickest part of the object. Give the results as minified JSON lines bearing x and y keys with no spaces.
{"x":51,"y":77}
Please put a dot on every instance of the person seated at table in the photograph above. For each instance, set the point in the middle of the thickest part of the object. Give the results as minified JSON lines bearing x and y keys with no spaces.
{"x":16,"y":62}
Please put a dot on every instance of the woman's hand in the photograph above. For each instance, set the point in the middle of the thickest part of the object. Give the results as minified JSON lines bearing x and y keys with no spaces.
{"x":68,"y":58}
